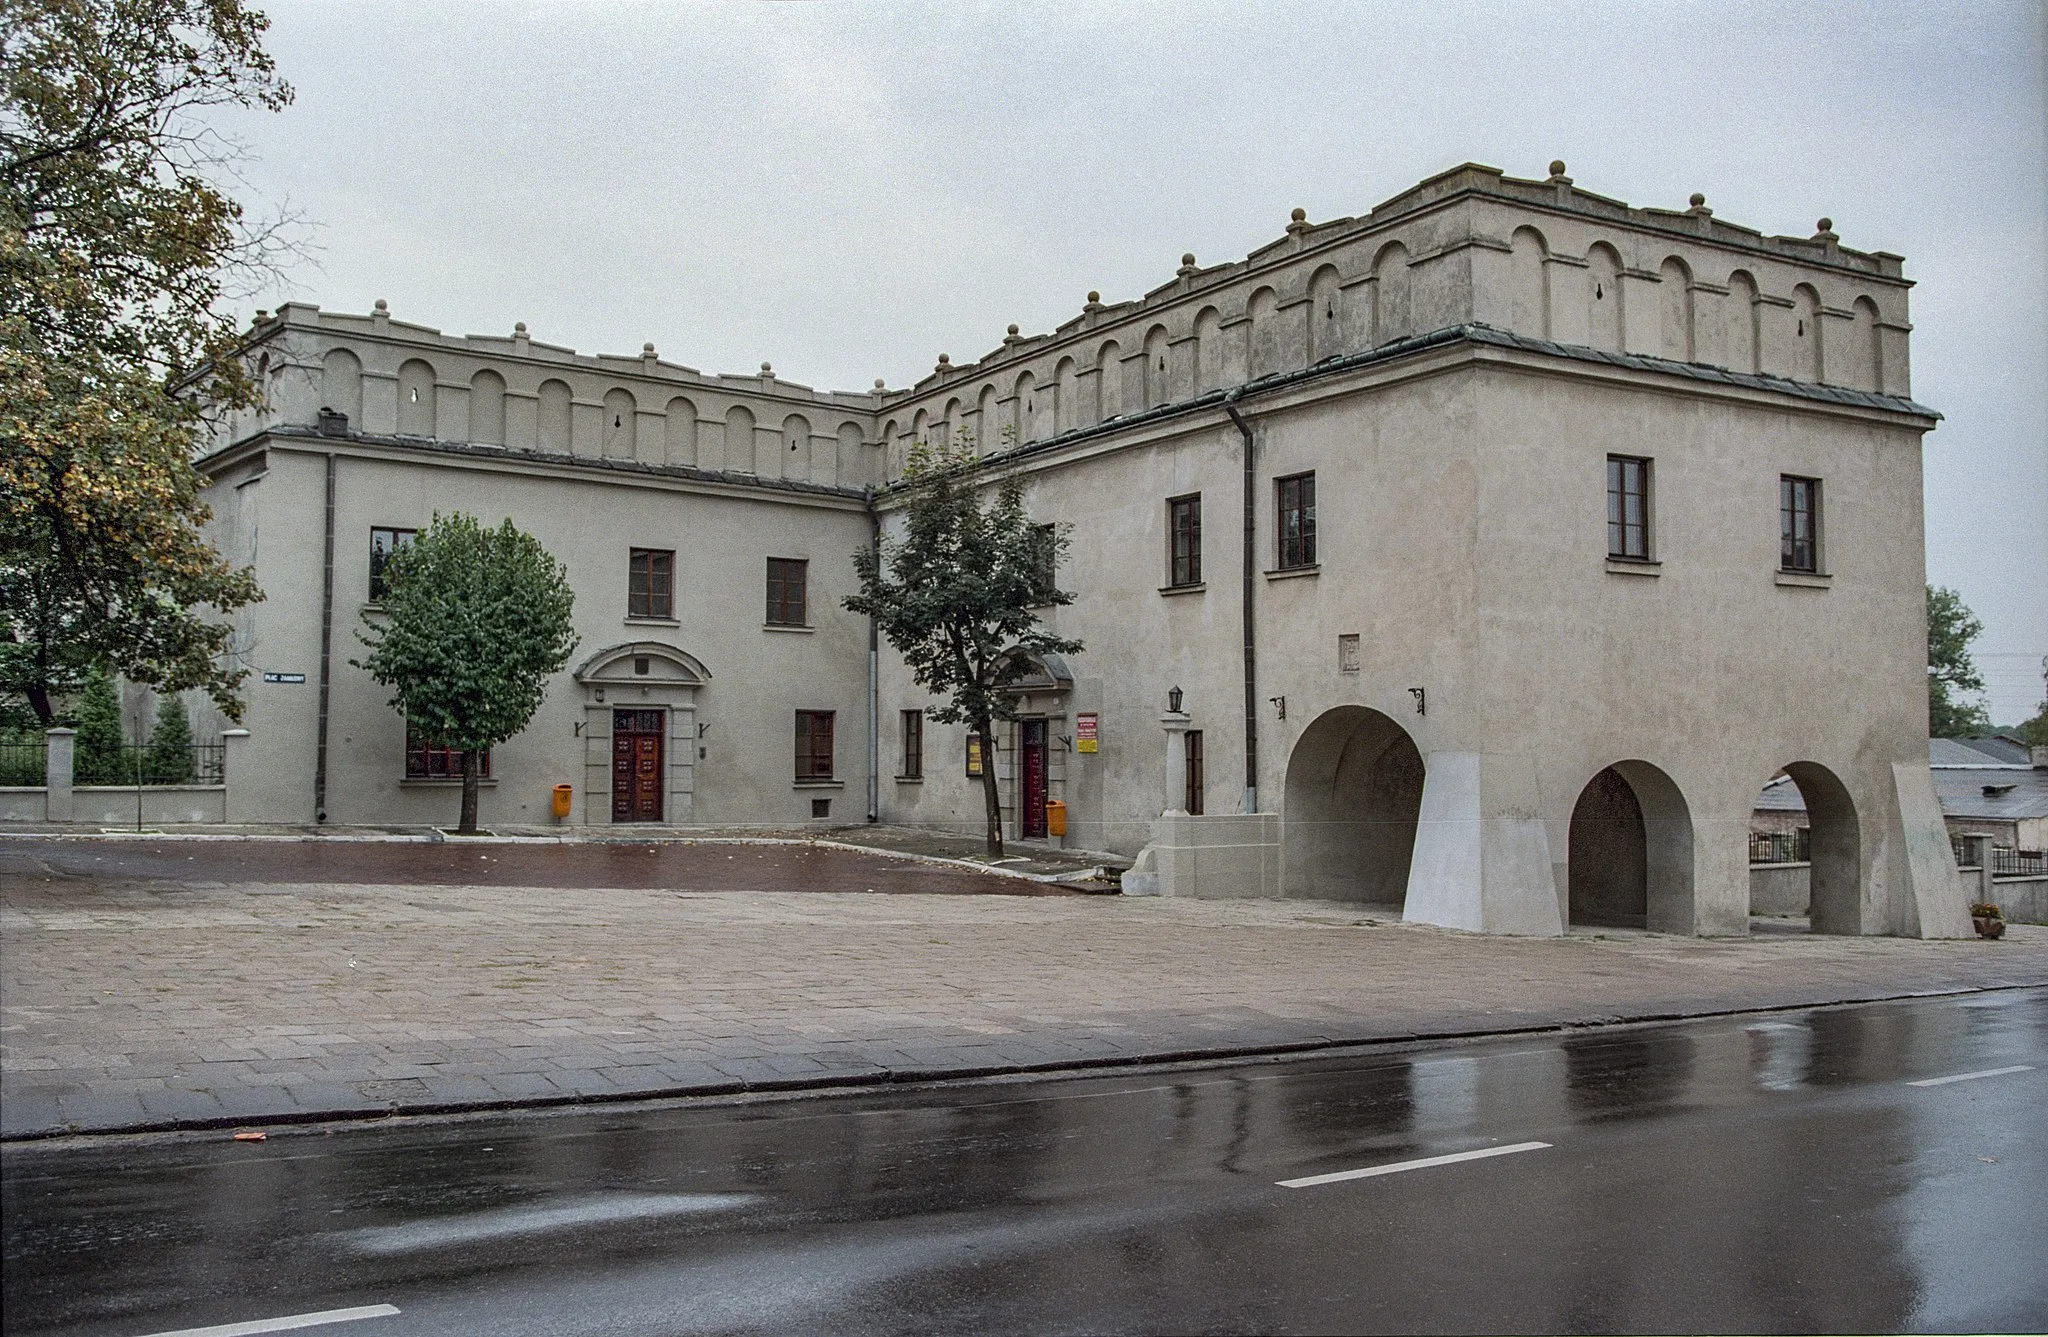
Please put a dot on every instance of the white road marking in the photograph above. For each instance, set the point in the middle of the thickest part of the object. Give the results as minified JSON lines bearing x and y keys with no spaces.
{"x":1310,"y":1181}
{"x":1972,"y":1076}
{"x":286,"y":1323}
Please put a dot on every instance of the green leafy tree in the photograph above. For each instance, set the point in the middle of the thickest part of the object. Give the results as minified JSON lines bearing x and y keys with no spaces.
{"x":2035,"y":731}
{"x":1951,"y":626}
{"x":117,"y":250}
{"x":96,"y":751}
{"x":169,"y":761}
{"x":957,"y":597}
{"x":474,"y":623}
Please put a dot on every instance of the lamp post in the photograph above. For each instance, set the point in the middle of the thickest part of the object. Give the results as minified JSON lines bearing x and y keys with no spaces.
{"x":1175,"y":722}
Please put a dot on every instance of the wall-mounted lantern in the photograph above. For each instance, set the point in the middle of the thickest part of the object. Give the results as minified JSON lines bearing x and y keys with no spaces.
{"x":1173,"y":699}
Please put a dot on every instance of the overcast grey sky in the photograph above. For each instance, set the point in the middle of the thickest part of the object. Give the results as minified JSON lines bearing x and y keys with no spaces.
{"x":848,"y":190}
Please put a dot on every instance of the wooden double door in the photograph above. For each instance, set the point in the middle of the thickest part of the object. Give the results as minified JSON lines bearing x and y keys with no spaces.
{"x":638,"y":737}
{"x":1034,"y":734}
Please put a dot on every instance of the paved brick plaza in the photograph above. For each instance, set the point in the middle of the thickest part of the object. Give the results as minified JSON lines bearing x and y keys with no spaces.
{"x":192,"y":993}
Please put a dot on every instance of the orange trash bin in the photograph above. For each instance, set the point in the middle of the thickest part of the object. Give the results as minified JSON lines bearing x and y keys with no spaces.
{"x":1056,"y":817}
{"x":565,"y":796}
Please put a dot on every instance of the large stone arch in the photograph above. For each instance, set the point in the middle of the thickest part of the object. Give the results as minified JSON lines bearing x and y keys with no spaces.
{"x":1834,"y":849}
{"x":1629,"y":855}
{"x":1354,"y":792}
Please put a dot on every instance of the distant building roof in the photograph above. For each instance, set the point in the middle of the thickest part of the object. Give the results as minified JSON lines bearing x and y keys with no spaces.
{"x":1999,"y":748}
{"x":1963,"y":768}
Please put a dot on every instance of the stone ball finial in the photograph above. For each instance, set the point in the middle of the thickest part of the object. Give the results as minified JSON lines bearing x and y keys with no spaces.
{"x":261,"y":315}
{"x":382,"y":307}
{"x":1698,"y":199}
{"x":1299,"y":216}
{"x":1094,"y":296}
{"x":1188,"y":258}
{"x":518,"y":327}
{"x":646,"y":350}
{"x":1826,"y":225}
{"x":767,"y":370}
{"x":1557,"y":167}
{"x":881,"y":384}
{"x":945,"y":359}
{"x":1013,"y":329}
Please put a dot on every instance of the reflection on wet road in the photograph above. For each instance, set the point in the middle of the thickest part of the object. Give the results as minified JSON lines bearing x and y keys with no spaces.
{"x":1794,"y":1172}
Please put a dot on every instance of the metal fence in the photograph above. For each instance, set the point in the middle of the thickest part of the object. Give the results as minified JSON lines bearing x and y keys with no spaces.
{"x":2018,"y":863}
{"x":22,"y":761}
{"x":1780,"y":846}
{"x":197,"y":764}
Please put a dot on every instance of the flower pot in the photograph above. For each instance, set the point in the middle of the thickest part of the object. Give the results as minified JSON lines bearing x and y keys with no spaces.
{"x":1988,"y":927}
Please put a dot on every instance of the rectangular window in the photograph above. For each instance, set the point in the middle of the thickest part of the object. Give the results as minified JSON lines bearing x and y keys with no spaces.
{"x":1195,"y":778}
{"x":1628,"y":508}
{"x":786,"y":595}
{"x":429,"y":761}
{"x":384,"y":542}
{"x":1297,"y":520}
{"x":1044,"y":563}
{"x":1184,"y":519}
{"x":650,"y":583}
{"x":814,"y":745}
{"x":1799,"y":524}
{"x":913,"y":745}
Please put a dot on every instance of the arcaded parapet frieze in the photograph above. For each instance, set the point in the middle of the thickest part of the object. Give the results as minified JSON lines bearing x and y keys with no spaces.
{"x":377,"y":377}
{"x":1539,"y":258}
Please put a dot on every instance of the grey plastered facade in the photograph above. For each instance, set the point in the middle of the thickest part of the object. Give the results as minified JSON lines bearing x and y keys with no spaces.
{"x":1441,"y":695}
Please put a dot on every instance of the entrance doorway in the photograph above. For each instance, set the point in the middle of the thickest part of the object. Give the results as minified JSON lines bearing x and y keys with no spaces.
{"x":637,"y":764}
{"x":1033,"y":817}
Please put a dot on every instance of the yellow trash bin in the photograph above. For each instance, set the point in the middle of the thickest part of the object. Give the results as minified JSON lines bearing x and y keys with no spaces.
{"x":565,"y":795}
{"x":1056,"y":817}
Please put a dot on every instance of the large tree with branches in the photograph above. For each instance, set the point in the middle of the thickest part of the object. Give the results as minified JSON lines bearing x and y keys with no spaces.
{"x":957,"y":596}
{"x":119,"y":247}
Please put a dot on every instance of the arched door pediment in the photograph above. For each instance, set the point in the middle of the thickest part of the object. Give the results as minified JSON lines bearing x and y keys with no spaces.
{"x":642,"y":662}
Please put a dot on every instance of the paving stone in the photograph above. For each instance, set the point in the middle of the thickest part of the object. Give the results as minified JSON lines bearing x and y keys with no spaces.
{"x":116,"y":998}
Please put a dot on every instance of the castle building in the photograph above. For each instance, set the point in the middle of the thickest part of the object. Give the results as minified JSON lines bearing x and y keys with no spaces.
{"x":1497,"y":546}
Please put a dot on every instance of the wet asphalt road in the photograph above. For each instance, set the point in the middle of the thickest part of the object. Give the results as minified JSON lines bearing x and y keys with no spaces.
{"x":1775,"y":1173}
{"x":459,"y":864}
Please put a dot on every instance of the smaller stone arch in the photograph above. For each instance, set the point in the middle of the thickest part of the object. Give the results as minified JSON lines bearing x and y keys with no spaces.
{"x":1865,"y":359}
{"x":1629,"y":851}
{"x":1742,"y":330}
{"x":621,"y":424}
{"x":1066,"y":390}
{"x":1676,"y":327}
{"x":1325,"y":314}
{"x":341,"y":385}
{"x":1158,"y":375}
{"x":1391,"y":318}
{"x":487,"y":408}
{"x":739,"y":439}
{"x":679,"y":431}
{"x":416,"y":397}
{"x":1208,"y":349}
{"x":950,"y":423}
{"x":988,"y":428}
{"x":553,"y":413}
{"x":1809,"y":359}
{"x":1529,"y":282}
{"x":1026,"y":395}
{"x":1604,"y":313}
{"x":1263,"y":309}
{"x":851,"y":458}
{"x":796,"y":446}
{"x":1109,"y":382}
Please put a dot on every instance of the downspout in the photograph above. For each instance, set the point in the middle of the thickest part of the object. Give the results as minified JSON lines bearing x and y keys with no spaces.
{"x":326,"y":650}
{"x":874,"y":678}
{"x":1251,"y":653}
